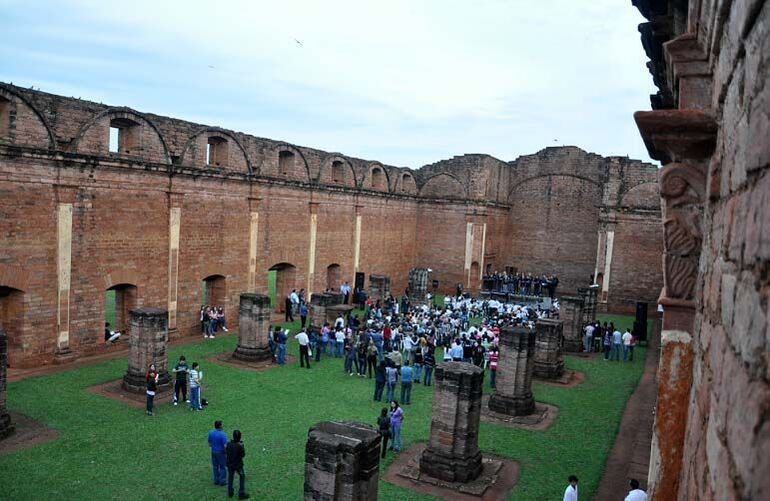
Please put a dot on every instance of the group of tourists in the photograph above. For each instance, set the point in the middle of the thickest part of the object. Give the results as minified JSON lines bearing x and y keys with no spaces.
{"x":610,"y":339}
{"x":212,"y":319}
{"x":184,"y":377}
{"x":522,"y":283}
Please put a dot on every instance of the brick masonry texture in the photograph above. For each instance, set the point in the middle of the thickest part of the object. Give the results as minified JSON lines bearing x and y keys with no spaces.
{"x":513,"y":385}
{"x":540,"y":212}
{"x":711,"y":61}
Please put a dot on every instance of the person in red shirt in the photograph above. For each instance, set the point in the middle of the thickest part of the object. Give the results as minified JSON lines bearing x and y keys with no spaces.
{"x":386,"y":335}
{"x":493,"y":357}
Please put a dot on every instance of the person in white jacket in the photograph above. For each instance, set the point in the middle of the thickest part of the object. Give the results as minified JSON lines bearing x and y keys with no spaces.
{"x":571,"y":492}
{"x":636,"y":494}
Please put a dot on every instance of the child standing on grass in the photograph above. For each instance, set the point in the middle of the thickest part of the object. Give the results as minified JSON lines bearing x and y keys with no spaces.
{"x":152,"y":387}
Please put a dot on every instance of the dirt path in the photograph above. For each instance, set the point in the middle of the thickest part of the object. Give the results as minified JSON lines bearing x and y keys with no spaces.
{"x":630,"y":456}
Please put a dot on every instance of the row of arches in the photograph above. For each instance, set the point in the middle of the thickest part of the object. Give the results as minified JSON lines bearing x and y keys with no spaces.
{"x":125,"y":133}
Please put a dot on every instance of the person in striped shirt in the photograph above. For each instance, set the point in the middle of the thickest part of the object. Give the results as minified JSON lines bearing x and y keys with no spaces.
{"x":196,"y":375}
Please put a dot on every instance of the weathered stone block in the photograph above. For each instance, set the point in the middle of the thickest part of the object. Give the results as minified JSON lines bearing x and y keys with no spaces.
{"x":549,"y":349}
{"x":379,"y":287}
{"x":253,"y":328}
{"x":513,"y":387}
{"x":571,"y":314}
{"x":318,"y":305}
{"x":453,"y":453}
{"x":342,"y":462}
{"x":148,"y":331}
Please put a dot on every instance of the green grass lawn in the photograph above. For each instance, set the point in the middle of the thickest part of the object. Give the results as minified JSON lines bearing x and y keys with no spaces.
{"x":108,"y":450}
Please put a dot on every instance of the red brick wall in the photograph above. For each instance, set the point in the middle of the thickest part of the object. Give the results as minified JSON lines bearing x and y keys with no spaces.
{"x":121,"y":215}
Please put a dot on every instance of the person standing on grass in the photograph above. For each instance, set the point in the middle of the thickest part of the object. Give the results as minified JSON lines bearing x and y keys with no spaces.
{"x":617,"y":345}
{"x":371,"y":357}
{"x":494,"y":356}
{"x":288,"y":306}
{"x":235,"y":452}
{"x":396,"y":419}
{"x":217,"y":442}
{"x":588,"y":338}
{"x":152,"y":387}
{"x":391,"y":376}
{"x":635,"y":494}
{"x":428,"y":364}
{"x":571,"y":492}
{"x":303,"y":314}
{"x":606,"y":343}
{"x":383,"y":423}
{"x":180,"y":382}
{"x":339,"y":339}
{"x":315,"y":344}
{"x":631,"y":348}
{"x":195,"y":387}
{"x":280,"y":340}
{"x":417,"y":367}
{"x":627,"y":338}
{"x":304,"y":346}
{"x":379,"y":381}
{"x":361,"y":349}
{"x":406,"y":384}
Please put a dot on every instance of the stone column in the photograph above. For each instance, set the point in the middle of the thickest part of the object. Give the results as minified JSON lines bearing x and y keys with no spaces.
{"x":453,"y":451}
{"x":513,"y":387}
{"x":571,"y":314}
{"x":6,"y":427}
{"x":253,"y":328}
{"x":379,"y":287}
{"x":418,"y":284}
{"x":148,"y":337}
{"x":549,"y":349}
{"x":318,"y":305}
{"x":342,"y":462}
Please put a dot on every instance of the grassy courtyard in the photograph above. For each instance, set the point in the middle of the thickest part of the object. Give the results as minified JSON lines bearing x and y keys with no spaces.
{"x":108,"y":450}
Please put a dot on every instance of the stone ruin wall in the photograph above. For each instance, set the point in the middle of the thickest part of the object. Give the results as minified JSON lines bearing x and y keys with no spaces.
{"x":711,"y":129}
{"x":77,"y":220}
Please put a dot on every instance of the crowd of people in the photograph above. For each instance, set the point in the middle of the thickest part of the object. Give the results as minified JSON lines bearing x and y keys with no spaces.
{"x":521,"y":283}
{"x":608,"y":338}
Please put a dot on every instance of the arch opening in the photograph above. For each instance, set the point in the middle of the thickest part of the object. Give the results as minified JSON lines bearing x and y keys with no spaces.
{"x":214,"y":291}
{"x":124,"y":136}
{"x":285,"y":162}
{"x":5,"y":117}
{"x":333,"y":276}
{"x":216,"y":151}
{"x":119,"y":300}
{"x":338,"y":172}
{"x":378,"y":180}
{"x":281,"y":279}
{"x":12,"y":320}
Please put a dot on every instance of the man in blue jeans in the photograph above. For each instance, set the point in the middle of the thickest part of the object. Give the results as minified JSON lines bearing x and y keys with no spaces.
{"x":218,"y":442}
{"x":281,"y":341}
{"x":406,"y":384}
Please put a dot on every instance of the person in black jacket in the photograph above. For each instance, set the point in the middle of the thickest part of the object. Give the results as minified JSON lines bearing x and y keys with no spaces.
{"x":383,"y":423}
{"x":235,"y":452}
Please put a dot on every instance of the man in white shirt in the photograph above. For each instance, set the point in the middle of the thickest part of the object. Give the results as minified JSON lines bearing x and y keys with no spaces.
{"x":571,"y":492}
{"x":588,"y":338}
{"x":304,"y":346}
{"x":636,"y":494}
{"x":627,"y":338}
{"x":294,"y":301}
{"x":617,"y":344}
{"x":345,"y":290}
{"x":340,"y":322}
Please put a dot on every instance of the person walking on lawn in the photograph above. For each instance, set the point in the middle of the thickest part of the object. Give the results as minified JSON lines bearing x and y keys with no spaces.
{"x":235,"y":452}
{"x":217,"y":442}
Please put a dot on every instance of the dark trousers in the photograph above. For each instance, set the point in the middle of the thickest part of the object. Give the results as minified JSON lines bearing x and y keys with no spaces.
{"x":241,"y":481}
{"x":289,"y":316}
{"x":371,"y":363}
{"x":406,"y":393}
{"x":378,"y":387}
{"x":362,"y":366}
{"x":303,"y":320}
{"x":385,"y":444}
{"x":219,"y":467}
{"x":180,"y":386}
{"x":150,"y":400}
{"x":303,"y":358}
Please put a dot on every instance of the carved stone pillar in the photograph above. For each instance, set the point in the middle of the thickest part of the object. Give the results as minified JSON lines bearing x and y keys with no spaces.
{"x":683,"y":140}
{"x":253,"y":328}
{"x":549,"y":349}
{"x":318,"y":304}
{"x":418,"y":284}
{"x":516,"y":363}
{"x":6,"y":426}
{"x":342,"y":462}
{"x":148,"y":331}
{"x":453,"y":451}
{"x":571,"y":314}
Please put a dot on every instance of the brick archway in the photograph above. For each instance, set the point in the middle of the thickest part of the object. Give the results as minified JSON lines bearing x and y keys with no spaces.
{"x":333,"y":276}
{"x":118,"y":301}
{"x":285,"y":280}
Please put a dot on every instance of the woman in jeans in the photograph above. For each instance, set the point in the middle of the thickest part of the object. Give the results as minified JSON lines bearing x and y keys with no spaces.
{"x":152,"y":387}
{"x":396,"y":418}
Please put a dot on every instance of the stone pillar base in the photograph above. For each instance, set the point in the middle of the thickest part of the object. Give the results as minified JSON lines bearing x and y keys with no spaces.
{"x":137,"y":383}
{"x":252,"y":354}
{"x":450,"y":469}
{"x":6,"y":426}
{"x":512,"y":406}
{"x":548,"y":371}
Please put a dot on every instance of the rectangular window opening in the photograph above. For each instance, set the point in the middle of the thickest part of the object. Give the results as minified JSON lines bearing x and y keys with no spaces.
{"x":114,"y":140}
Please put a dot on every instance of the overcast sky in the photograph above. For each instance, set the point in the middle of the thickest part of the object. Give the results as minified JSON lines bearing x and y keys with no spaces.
{"x":404,"y":82}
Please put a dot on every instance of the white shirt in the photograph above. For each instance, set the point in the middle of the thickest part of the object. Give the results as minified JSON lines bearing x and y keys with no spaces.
{"x":589,"y":330}
{"x":302,"y":339}
{"x":340,"y":322}
{"x":627,"y":338}
{"x":339,"y":337}
{"x":636,"y":495}
{"x":294,"y":298}
{"x":571,"y":493}
{"x":616,"y":337}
